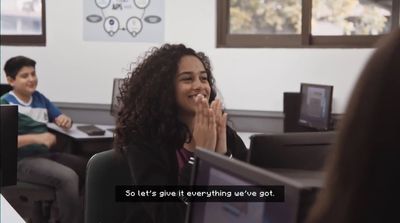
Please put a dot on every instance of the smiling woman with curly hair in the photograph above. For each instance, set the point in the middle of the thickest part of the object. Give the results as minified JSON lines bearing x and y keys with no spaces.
{"x":169,"y":108}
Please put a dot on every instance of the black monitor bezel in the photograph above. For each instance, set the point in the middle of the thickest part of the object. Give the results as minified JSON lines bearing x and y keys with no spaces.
{"x":327,"y":125}
{"x":8,"y":144}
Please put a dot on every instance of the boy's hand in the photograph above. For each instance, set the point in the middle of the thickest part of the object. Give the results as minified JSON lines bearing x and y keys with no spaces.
{"x":63,"y":121}
{"x":46,"y":139}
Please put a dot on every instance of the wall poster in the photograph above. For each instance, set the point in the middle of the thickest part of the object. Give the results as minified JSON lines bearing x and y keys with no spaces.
{"x":124,"y":20}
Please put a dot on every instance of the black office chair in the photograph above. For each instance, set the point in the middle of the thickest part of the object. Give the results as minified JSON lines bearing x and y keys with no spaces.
{"x":104,"y":171}
{"x":302,"y":150}
{"x":31,"y":201}
{"x":4,"y":88}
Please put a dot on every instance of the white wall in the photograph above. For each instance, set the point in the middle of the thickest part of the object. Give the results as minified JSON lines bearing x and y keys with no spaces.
{"x":72,"y":70}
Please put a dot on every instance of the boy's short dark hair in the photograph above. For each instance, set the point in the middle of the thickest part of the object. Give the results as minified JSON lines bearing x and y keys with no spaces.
{"x":14,"y":64}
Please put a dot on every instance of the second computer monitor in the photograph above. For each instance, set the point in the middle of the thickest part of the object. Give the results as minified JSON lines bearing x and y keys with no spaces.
{"x":315,"y":107}
{"x":115,"y":106}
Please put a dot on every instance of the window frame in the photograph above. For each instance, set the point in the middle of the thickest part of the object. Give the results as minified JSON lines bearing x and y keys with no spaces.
{"x":28,"y":40}
{"x":303,"y":40}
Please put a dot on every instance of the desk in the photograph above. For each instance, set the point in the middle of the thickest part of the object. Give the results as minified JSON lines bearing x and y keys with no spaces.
{"x":8,"y":213}
{"x":77,"y":142}
{"x":75,"y":133}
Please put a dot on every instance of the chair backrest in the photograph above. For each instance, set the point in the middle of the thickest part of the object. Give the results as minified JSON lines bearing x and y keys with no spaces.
{"x":4,"y":88}
{"x":303,"y":150}
{"x":104,"y":171}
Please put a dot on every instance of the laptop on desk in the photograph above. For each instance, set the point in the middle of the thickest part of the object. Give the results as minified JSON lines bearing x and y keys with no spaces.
{"x":91,"y":130}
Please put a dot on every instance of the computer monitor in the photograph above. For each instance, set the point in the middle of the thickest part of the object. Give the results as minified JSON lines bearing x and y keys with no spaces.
{"x":297,"y":150}
{"x":8,"y":144}
{"x":214,"y":169}
{"x":315,"y":106}
{"x":114,"y":108}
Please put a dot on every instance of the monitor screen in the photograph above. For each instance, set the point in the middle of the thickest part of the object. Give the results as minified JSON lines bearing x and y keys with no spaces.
{"x":315,"y":106}
{"x":115,"y":94}
{"x":214,"y":169}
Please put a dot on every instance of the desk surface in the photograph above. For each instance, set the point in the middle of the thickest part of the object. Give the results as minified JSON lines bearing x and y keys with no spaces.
{"x":79,"y":135}
{"x":8,"y":213}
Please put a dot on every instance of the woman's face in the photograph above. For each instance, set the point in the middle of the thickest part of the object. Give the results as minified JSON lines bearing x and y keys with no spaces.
{"x":191,"y":80}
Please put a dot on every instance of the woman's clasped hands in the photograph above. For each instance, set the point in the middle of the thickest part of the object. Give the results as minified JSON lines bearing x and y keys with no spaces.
{"x":209,"y":128}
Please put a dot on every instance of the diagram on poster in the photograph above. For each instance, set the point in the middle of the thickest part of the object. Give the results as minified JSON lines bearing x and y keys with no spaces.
{"x":126,"y":20}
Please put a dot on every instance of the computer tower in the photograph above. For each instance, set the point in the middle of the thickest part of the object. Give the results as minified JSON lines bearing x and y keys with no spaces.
{"x":291,"y":111}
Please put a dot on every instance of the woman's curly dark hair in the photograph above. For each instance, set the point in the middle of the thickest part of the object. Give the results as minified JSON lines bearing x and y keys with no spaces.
{"x":149,"y":111}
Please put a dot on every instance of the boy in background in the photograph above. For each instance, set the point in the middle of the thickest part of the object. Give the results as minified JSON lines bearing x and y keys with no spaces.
{"x":37,"y":163}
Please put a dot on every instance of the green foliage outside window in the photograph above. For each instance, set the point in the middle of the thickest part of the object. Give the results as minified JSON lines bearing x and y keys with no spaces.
{"x":339,"y":17}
